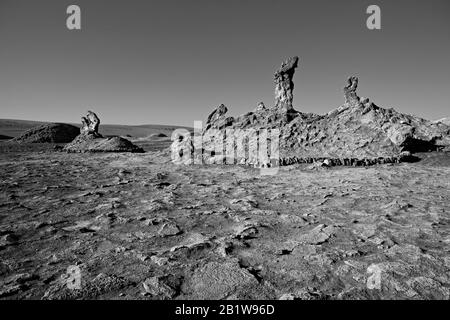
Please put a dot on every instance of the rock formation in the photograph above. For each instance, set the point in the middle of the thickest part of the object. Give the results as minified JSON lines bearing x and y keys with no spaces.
{"x":90,"y":124}
{"x":217,"y":119}
{"x":350,"y":96}
{"x":357,"y":133}
{"x":90,"y":140}
{"x":284,"y":86}
{"x":49,"y":133}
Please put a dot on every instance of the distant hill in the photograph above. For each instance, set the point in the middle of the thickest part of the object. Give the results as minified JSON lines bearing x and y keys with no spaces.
{"x":49,"y":133}
{"x":14,"y":128}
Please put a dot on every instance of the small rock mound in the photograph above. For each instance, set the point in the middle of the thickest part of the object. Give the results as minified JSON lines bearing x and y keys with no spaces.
{"x":90,"y":140}
{"x":49,"y":133}
{"x":90,"y":143}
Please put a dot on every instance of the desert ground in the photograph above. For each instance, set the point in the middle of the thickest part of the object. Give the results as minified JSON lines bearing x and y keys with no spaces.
{"x":138,"y":226}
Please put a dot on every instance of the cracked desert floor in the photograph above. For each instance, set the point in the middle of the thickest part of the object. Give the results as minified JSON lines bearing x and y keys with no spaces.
{"x":137,"y":226}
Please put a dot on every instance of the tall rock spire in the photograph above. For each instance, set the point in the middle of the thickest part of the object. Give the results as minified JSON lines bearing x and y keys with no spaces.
{"x":284,"y":86}
{"x":350,"y":95}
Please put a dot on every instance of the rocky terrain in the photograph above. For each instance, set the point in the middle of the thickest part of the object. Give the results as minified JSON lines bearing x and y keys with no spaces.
{"x":361,"y":212}
{"x":140,"y":227}
{"x":357,"y":133}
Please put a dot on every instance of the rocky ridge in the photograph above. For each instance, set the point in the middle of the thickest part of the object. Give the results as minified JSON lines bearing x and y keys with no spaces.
{"x":357,"y":133}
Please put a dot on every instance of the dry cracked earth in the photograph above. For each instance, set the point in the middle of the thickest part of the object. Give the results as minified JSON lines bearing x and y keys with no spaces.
{"x":137,"y":226}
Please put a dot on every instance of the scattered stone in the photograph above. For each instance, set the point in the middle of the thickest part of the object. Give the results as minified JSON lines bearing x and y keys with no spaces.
{"x":193,"y":240}
{"x":169,"y":229}
{"x":246,"y":203}
{"x":245,"y":231}
{"x":219,"y":280}
{"x":159,"y":287}
{"x":160,"y":261}
{"x":293,"y":220}
{"x":287,"y":296}
{"x":142,"y":257}
{"x":224,"y":248}
{"x":317,"y":235}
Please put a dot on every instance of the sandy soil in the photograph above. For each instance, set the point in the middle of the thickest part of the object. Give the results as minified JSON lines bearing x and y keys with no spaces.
{"x":138,"y":227}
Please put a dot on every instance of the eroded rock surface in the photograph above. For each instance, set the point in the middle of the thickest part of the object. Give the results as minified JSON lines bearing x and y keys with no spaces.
{"x":139,"y":227}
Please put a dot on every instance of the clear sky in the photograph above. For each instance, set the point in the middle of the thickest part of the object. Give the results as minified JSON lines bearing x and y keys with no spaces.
{"x":172,"y":62}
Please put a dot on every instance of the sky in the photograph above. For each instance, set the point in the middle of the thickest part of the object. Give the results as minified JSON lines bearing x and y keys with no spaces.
{"x":172,"y":62}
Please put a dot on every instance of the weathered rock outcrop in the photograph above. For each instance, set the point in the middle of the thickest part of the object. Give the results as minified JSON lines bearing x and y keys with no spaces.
{"x":217,"y":119}
{"x":49,"y":133}
{"x":357,"y":133}
{"x":90,"y":124}
{"x":90,"y":140}
{"x":351,"y":98}
{"x":284,"y":86}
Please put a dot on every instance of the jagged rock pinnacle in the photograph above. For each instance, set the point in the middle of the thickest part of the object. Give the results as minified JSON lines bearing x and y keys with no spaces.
{"x":90,"y":124}
{"x":284,"y":86}
{"x":351,"y":98}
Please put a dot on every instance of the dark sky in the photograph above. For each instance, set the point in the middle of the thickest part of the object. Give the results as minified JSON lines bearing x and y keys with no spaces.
{"x":172,"y":62}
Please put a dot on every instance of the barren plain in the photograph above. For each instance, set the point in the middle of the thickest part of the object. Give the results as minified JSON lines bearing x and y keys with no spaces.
{"x":138,"y":226}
